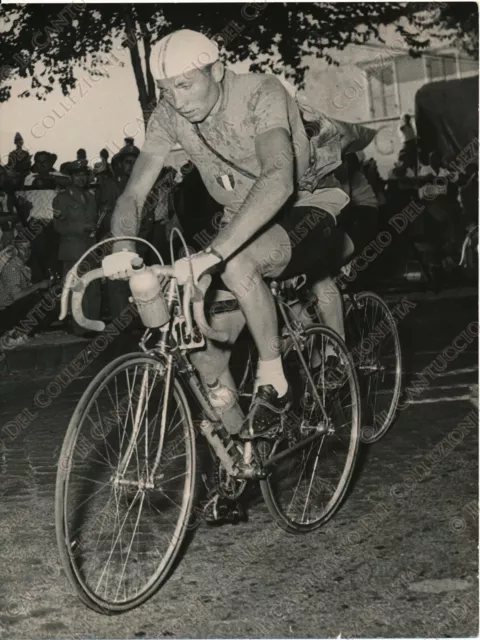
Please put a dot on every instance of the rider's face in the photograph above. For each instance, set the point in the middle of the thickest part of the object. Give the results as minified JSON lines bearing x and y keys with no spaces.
{"x":193,"y":94}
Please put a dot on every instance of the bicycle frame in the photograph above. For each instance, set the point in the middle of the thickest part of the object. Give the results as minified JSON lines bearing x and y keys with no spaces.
{"x":243,"y":463}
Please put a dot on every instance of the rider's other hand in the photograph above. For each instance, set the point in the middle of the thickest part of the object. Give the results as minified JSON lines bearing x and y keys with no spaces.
{"x":199,"y":263}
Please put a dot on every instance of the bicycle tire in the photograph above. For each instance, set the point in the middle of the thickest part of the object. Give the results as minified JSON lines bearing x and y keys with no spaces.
{"x":85,"y":593}
{"x":268,"y":485}
{"x":384,"y":420}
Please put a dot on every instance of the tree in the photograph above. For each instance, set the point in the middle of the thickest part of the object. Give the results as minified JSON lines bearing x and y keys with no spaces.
{"x":47,"y":45}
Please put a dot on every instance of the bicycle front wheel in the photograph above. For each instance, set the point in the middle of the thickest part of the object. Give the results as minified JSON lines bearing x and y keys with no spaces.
{"x":125,"y":484}
{"x":320,"y":436}
{"x":373,"y":339}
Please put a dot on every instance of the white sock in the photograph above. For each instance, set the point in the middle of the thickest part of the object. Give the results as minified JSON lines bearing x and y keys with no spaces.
{"x":271,"y":372}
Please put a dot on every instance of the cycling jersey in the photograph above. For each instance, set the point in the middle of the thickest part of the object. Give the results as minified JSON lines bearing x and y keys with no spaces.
{"x":252,"y":104}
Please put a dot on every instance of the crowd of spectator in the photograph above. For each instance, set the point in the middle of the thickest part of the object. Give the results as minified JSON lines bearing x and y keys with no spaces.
{"x":448,"y":199}
{"x":58,"y":214}
{"x":49,"y":218}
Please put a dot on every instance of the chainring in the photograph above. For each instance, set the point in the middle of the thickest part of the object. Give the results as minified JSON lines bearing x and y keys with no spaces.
{"x":227,"y":487}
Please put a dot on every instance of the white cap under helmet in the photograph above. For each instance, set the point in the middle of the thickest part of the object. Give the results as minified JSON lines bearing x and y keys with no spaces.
{"x":181,"y":52}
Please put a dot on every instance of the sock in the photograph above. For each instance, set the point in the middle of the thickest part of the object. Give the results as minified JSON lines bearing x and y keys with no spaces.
{"x":271,"y":372}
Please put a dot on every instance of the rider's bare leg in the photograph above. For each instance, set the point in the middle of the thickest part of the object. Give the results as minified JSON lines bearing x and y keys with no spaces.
{"x":212,"y":361}
{"x":328,"y":303}
{"x":268,"y":255}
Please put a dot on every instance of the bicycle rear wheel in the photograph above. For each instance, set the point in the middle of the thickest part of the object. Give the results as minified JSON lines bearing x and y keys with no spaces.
{"x":373,"y":339}
{"x":307,"y":486}
{"x":125,"y":484}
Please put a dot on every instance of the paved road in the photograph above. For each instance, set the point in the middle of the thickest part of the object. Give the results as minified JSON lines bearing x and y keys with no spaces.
{"x":398,"y":560}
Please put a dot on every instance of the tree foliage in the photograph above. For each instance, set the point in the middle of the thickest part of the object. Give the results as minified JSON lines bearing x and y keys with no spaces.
{"x":48,"y":44}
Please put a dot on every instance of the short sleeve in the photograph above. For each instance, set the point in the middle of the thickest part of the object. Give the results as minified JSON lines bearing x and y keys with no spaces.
{"x":160,"y":136}
{"x":270,"y":106}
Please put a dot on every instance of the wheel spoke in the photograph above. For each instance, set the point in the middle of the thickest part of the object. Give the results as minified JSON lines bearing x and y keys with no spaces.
{"x":304,"y":489}
{"x":127,"y":527}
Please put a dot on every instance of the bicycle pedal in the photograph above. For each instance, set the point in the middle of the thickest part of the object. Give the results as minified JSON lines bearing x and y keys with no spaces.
{"x":220,"y":511}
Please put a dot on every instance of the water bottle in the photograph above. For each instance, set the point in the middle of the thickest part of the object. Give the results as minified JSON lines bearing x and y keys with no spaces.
{"x":224,"y":400}
{"x":148,"y":295}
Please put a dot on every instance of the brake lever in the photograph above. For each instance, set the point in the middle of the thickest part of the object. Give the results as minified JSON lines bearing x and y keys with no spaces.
{"x":70,"y":281}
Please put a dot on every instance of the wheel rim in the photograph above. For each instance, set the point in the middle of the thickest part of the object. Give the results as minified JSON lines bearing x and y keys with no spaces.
{"x":373,"y":338}
{"x":127,"y":498}
{"x":308,"y":486}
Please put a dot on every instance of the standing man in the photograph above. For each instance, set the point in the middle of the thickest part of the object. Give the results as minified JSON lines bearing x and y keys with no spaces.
{"x":40,"y":188}
{"x":17,"y":293}
{"x":109,"y":190}
{"x":408,"y":152}
{"x":19,"y":161}
{"x":75,"y":219}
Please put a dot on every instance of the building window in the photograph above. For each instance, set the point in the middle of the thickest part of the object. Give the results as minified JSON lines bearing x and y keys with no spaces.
{"x":381,"y":91}
{"x":443,"y":68}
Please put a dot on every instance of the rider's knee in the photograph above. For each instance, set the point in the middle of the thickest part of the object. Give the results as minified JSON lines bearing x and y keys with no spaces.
{"x":239,"y":272}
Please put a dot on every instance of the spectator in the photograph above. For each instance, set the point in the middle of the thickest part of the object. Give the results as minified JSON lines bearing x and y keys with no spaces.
{"x":439,"y":194}
{"x":40,"y":188}
{"x":408,"y":152}
{"x":468,"y":195}
{"x":19,"y":161}
{"x":108,"y":192}
{"x":130,"y":145}
{"x":75,"y":218}
{"x":82,"y":157}
{"x":8,"y":215}
{"x":17,"y":293}
{"x":102,"y":168}
{"x":110,"y":189}
{"x":375,"y":180}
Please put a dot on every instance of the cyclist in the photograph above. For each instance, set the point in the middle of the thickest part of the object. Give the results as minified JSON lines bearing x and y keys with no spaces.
{"x":357,"y":225}
{"x":245,"y":135}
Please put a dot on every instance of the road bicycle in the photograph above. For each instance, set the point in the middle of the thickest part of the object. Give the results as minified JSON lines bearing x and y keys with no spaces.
{"x":127,"y":477}
{"x":374,"y":344}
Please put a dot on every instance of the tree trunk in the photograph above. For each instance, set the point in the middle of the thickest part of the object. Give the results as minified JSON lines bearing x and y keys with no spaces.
{"x":146,"y":89}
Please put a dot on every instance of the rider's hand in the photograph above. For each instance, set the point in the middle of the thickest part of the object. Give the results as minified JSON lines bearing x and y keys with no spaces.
{"x":200,"y":263}
{"x":118,"y":266}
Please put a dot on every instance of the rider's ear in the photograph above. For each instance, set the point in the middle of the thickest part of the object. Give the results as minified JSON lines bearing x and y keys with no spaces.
{"x":218,"y":71}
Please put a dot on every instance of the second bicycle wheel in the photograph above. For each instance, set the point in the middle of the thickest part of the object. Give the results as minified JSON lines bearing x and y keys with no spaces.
{"x":306,"y":487}
{"x":125,"y":484}
{"x":373,"y":340}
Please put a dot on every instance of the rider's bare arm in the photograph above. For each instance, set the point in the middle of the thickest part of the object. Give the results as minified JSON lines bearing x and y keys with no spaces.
{"x":269,"y":193}
{"x":127,"y":215}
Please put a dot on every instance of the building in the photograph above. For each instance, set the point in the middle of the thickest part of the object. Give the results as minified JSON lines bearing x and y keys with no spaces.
{"x":375,"y":85}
